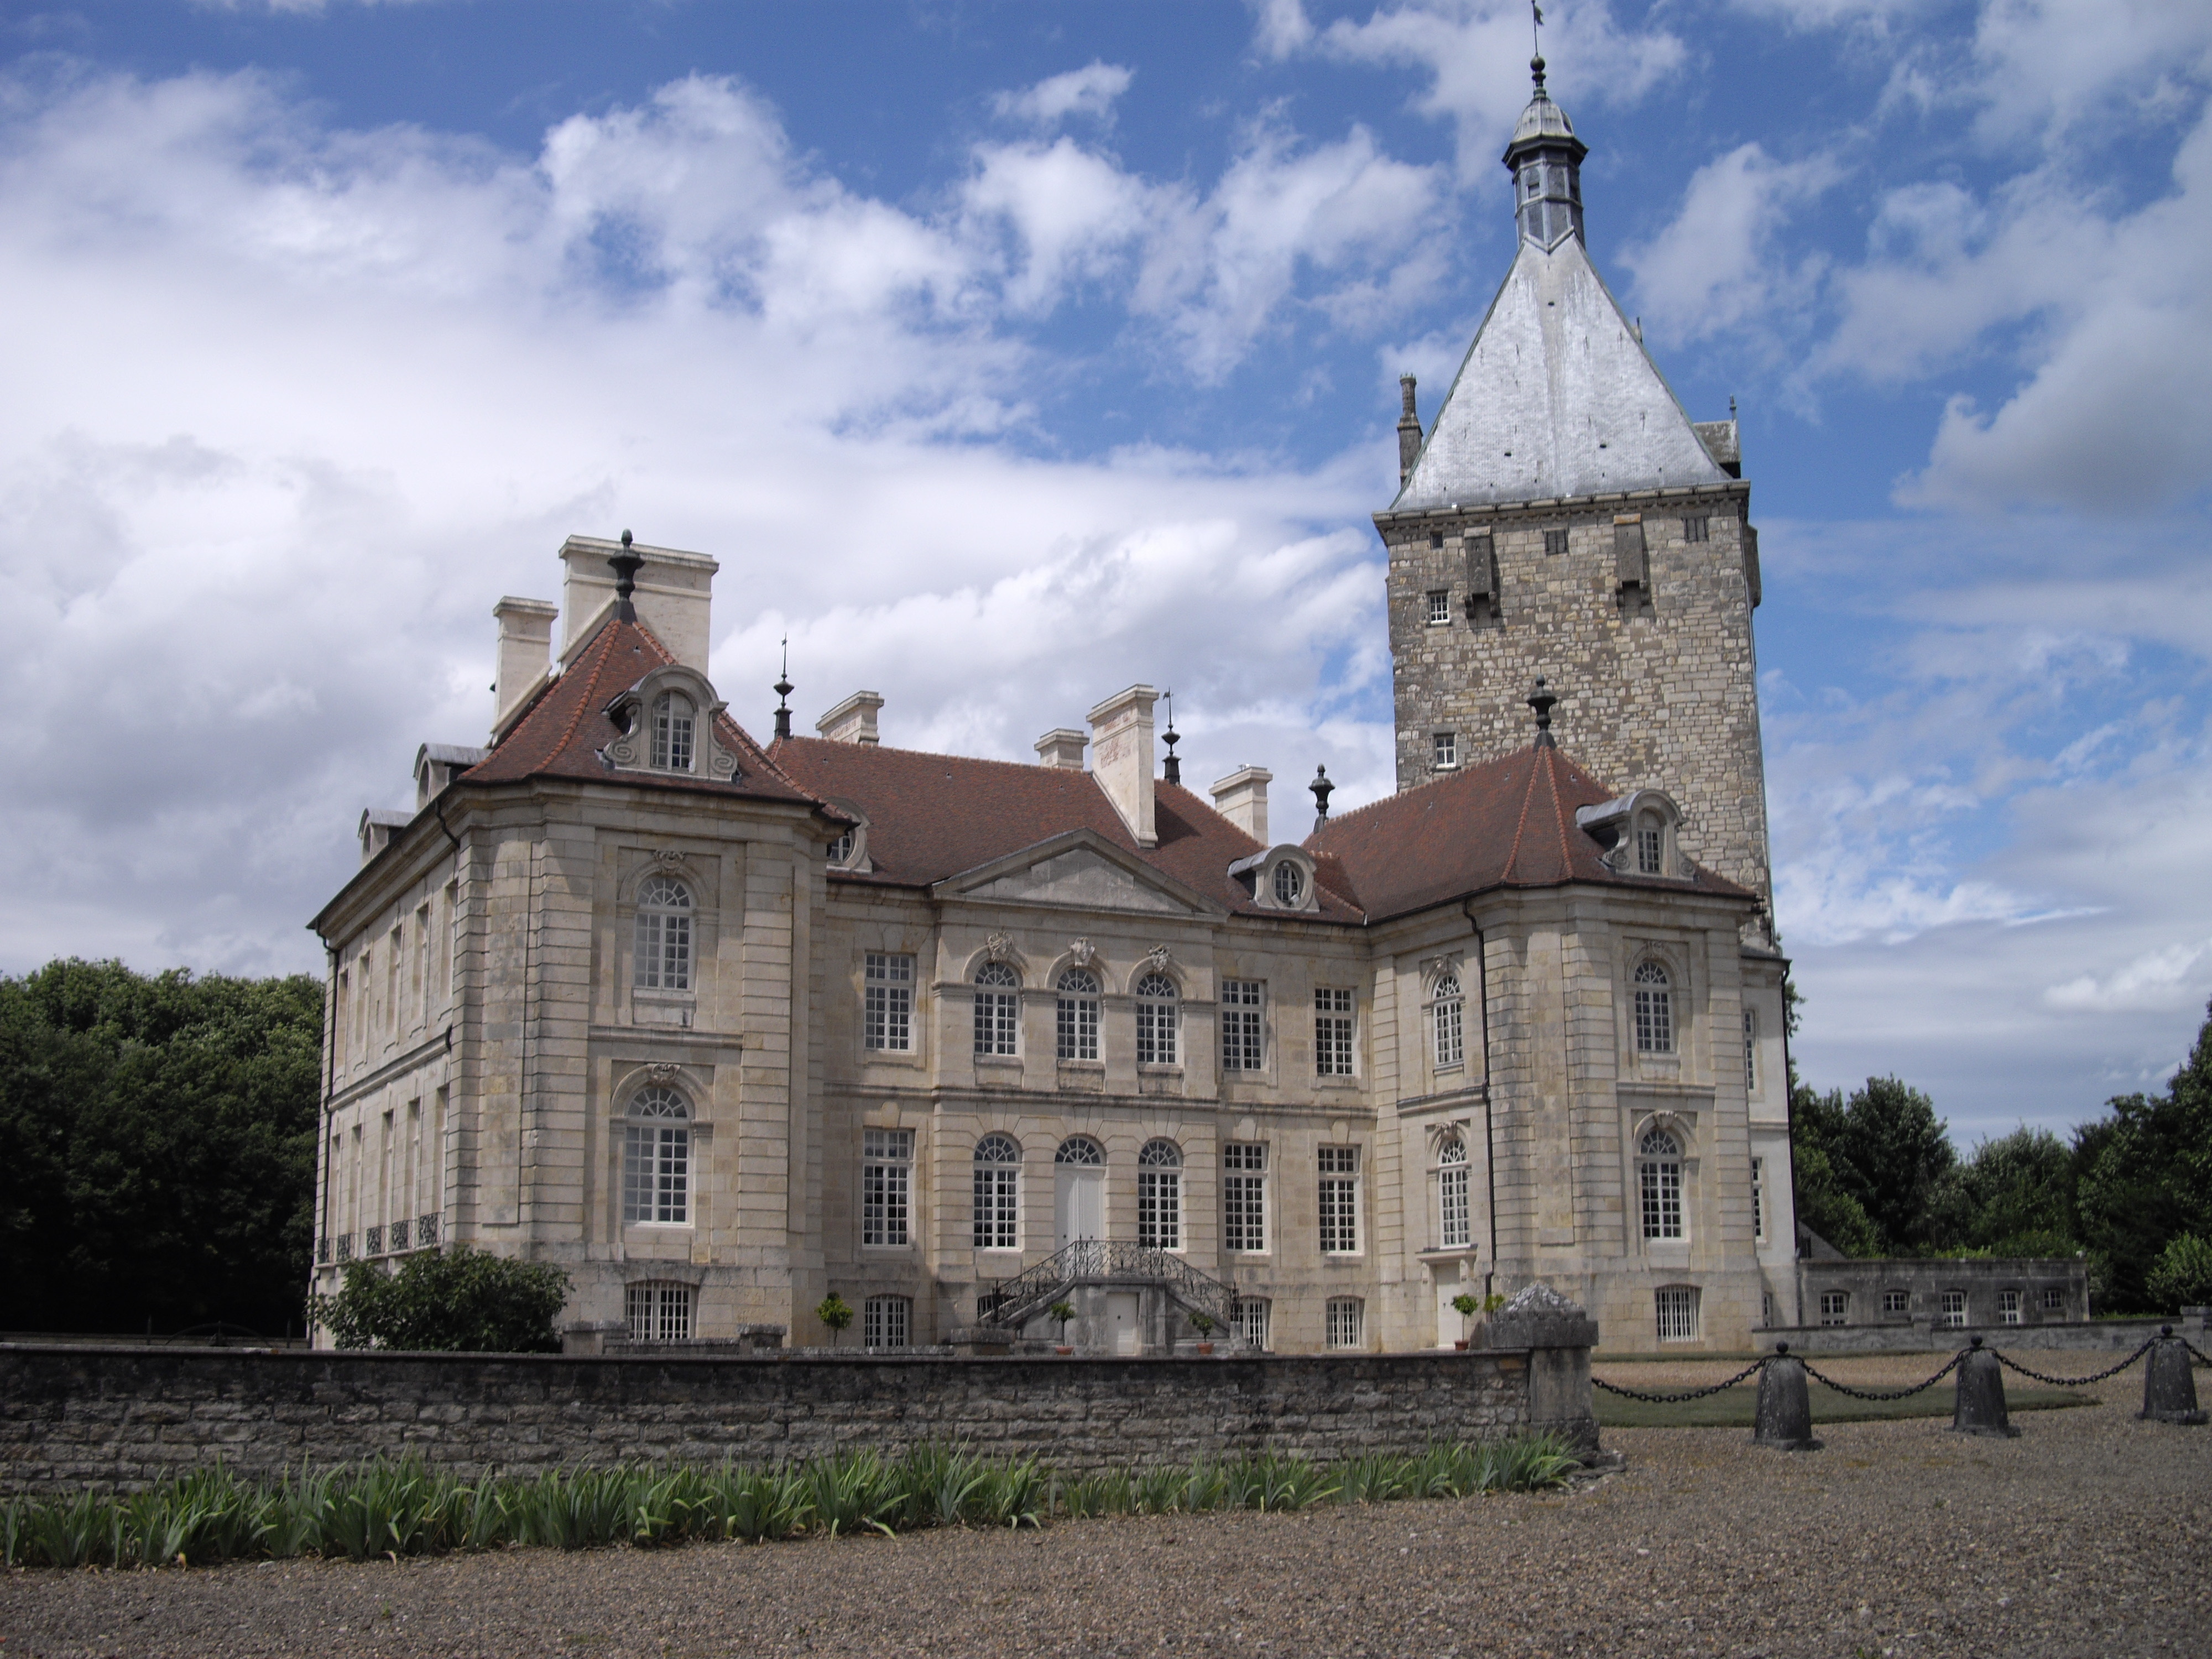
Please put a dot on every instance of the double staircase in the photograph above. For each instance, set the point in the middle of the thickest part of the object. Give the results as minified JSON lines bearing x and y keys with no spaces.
{"x":1010,"y":1304}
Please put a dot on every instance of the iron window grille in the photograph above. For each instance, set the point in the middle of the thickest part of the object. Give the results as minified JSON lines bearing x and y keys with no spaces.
{"x":887,"y":1004}
{"x":1242,"y":1029}
{"x":887,"y":1321}
{"x":998,"y":1193}
{"x":342,"y":1247}
{"x":998,"y":1009}
{"x":1676,"y":1307}
{"x":1454,"y":1220}
{"x":1156,"y":1021}
{"x":886,"y":1185}
{"x":1346,"y":1321}
{"x":399,"y":1234}
{"x":1244,"y":1196}
{"x":1449,"y":1016}
{"x":663,"y":935}
{"x":1655,"y":1011}
{"x":1659,"y":1175}
{"x":659,"y":1311}
{"x":323,"y":1250}
{"x":1159,"y":1196}
{"x":1251,"y":1321}
{"x":372,"y":1241}
{"x":657,"y":1160}
{"x":1339,"y":1201}
{"x":1331,"y":1032}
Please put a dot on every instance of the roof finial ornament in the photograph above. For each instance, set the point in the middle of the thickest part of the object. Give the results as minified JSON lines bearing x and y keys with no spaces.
{"x":1171,"y":772}
{"x":783,"y":688}
{"x":1322,"y":789}
{"x":1542,"y":700}
{"x":1536,"y":46}
{"x":625,"y":564}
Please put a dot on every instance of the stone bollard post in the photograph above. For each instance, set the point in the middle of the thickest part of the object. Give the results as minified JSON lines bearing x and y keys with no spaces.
{"x":1558,"y":1335}
{"x":1981,"y":1402}
{"x":2169,"y":1389}
{"x":1784,"y":1417}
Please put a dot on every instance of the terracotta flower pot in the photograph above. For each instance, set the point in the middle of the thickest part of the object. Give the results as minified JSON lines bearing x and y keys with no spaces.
{"x":1064,"y":1351}
{"x":1206,"y":1347}
{"x":1460,"y":1344}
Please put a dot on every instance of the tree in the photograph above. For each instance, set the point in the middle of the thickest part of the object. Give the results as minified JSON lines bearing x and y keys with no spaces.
{"x":2182,"y":1277}
{"x":454,"y":1300}
{"x":835,"y":1312}
{"x":157,"y":1142}
{"x":2019,"y":1196}
{"x":1824,"y":1203}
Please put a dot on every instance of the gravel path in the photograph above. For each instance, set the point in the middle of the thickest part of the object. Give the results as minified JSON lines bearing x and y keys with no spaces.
{"x":2085,"y":1536}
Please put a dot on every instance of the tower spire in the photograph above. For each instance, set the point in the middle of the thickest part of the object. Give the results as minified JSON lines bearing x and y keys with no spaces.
{"x":783,"y":688}
{"x":1546,"y":159}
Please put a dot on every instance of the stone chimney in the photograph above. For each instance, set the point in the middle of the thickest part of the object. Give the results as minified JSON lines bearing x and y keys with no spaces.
{"x":674,"y":592}
{"x":1061,"y":747}
{"x":1121,"y":757}
{"x":853,"y":720}
{"x":525,"y":636}
{"x":1241,"y":798}
{"x":1409,"y":429}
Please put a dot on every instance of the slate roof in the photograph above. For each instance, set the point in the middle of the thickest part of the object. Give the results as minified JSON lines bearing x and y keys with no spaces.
{"x":1508,"y":822}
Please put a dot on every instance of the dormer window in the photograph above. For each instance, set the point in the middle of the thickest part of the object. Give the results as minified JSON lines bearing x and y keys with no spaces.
{"x":1290,"y":885}
{"x":674,"y":722}
{"x":1650,"y":848}
{"x":841,"y":850}
{"x":1280,"y":879}
{"x":1639,"y":832}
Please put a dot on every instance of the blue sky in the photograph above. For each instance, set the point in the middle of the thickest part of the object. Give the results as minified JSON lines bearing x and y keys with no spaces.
{"x":1006,"y":353}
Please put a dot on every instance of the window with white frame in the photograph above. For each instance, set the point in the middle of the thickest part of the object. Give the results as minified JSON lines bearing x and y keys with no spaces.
{"x":663,"y":935}
{"x":1835,"y":1307}
{"x":1654,"y":1009}
{"x":1455,"y":1219}
{"x":1676,"y":1306}
{"x":1156,"y":1005}
{"x":887,"y":1008}
{"x":1659,"y":1180}
{"x":658,"y":1311}
{"x":1758,"y":1200}
{"x":1251,"y":1321}
{"x":1448,"y":1018}
{"x":840,"y":849}
{"x":1244,"y":1196}
{"x":2054,"y":1299}
{"x":1331,"y":1032}
{"x":1077,"y":1020}
{"x":998,"y":1193}
{"x":1650,"y":849}
{"x":1290,"y":883}
{"x":998,"y":1009}
{"x":1339,"y":1201}
{"x":1243,"y":1030}
{"x":1951,"y":1309}
{"x":886,"y":1186}
{"x":1439,"y":607}
{"x":887,"y":1321}
{"x":1897,"y":1302}
{"x":1080,"y":1150}
{"x":674,"y":721}
{"x":1750,"y":1051}
{"x":1348,"y":1321}
{"x":2008,"y":1307}
{"x":1159,"y":1195}
{"x":1443,"y":749}
{"x":657,"y":1159}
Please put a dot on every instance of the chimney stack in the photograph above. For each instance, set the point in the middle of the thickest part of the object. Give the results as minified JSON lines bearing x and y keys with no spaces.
{"x":1061,"y":747}
{"x":1409,"y":429}
{"x":526,"y":635}
{"x":853,"y":720}
{"x":1121,"y":757}
{"x":672,"y":595}
{"x":1241,"y":798}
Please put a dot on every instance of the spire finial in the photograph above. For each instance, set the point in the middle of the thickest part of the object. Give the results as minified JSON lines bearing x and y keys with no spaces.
{"x":1541,"y":700}
{"x":1536,"y":45}
{"x":625,"y":564}
{"x":1172,"y":771}
{"x":1322,"y":789}
{"x":783,"y":688}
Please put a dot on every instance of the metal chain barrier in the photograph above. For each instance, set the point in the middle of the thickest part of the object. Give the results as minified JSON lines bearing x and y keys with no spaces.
{"x":1886,"y":1394}
{"x":1670,"y":1399}
{"x":2202,"y":1359}
{"x":2075,"y":1382}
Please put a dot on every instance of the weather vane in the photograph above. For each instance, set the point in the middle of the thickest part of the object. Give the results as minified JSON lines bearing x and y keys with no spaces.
{"x":1535,"y":38}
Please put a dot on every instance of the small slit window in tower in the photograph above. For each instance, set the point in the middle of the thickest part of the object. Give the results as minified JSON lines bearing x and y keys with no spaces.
{"x":1697,"y":530}
{"x":1555,"y":542}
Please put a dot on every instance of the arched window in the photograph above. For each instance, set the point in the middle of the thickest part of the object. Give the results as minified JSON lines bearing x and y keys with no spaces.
{"x":675,"y":721}
{"x":997,"y":1008}
{"x":663,"y":935}
{"x":1655,"y":1011}
{"x":1290,"y":883}
{"x":1455,"y":1218}
{"x":1159,"y":1195}
{"x":841,"y":850}
{"x":998,"y":1193}
{"x":657,"y":1159}
{"x":1450,"y":1019}
{"x":1080,"y":1150}
{"x":1156,"y":1021}
{"x":1078,"y":1014}
{"x":1659,"y":1179}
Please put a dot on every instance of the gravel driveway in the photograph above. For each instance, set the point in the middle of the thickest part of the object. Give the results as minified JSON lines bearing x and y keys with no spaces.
{"x":2088,"y":1535}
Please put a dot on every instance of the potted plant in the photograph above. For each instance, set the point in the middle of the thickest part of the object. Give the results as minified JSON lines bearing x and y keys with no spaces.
{"x":1203,"y":1324}
{"x":1061,"y":1312}
{"x":835,"y":1312}
{"x":1464,"y":1306}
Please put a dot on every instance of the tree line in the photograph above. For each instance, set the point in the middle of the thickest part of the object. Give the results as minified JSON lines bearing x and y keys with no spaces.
{"x":2131,"y":1189}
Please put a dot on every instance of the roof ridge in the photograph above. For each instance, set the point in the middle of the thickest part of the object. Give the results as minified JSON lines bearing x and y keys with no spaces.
{"x":603,"y":643}
{"x":1559,"y":817}
{"x":1381,"y":801}
{"x":1520,"y":826}
{"x":939,"y":754}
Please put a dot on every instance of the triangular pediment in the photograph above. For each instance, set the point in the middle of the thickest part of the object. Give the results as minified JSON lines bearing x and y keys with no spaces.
{"x":1078,"y":871}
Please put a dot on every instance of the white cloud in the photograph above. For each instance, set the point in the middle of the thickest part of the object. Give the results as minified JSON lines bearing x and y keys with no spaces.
{"x":2165,"y":978}
{"x":1074,"y":212}
{"x":1090,"y":91}
{"x":1716,"y":268}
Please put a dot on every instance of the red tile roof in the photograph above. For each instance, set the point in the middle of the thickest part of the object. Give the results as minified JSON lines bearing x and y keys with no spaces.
{"x":561,"y":733}
{"x":1508,"y":822}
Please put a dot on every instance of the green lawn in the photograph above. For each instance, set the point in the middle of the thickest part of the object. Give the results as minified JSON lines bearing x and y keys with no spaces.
{"x":1733,"y":1408}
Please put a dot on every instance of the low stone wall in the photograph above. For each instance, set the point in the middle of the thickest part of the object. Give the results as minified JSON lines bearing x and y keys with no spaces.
{"x":2092,"y":1336}
{"x":73,"y":1417}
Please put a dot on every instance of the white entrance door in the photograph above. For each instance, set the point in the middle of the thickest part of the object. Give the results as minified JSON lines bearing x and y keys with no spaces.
{"x":1126,"y":1335}
{"x":1079,"y":1202}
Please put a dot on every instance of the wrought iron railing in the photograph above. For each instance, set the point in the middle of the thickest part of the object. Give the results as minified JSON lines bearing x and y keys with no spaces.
{"x":323,"y":1251}
{"x":342,"y":1247}
{"x":372,"y":1241}
{"x":426,"y":1232}
{"x":1011,"y":1301}
{"x":398,"y":1237}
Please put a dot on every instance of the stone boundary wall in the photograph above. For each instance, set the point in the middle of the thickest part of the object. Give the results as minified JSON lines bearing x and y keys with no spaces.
{"x":73,"y":1417}
{"x":2089,"y":1336}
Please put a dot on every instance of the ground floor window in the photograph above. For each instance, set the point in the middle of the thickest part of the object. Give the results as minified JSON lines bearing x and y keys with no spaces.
{"x":1897,"y":1302}
{"x":1346,"y":1321}
{"x":1252,"y":1322}
{"x":2008,"y":1307}
{"x":887,"y":1321}
{"x":1677,"y":1308}
{"x":2054,"y":1299}
{"x":1835,"y":1307}
{"x":659,"y":1312}
{"x":1954,"y":1306}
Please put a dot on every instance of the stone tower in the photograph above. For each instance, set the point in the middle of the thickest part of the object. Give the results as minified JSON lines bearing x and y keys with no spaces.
{"x":1565,"y":516}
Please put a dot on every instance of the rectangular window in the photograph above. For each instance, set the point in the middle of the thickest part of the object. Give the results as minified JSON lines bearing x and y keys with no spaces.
{"x":656,"y":1174}
{"x":886,"y":1185}
{"x":998,"y":1206}
{"x":1346,"y":1323}
{"x":1676,"y":1306}
{"x":1835,"y":1307}
{"x":1155,"y":1029}
{"x":664,"y":951}
{"x":446,"y":943}
{"x":392,"y":1022}
{"x":1076,"y":1022}
{"x":1454,"y":1221}
{"x":1439,"y":607}
{"x":1332,"y":1033}
{"x":1555,"y":542}
{"x":1339,"y":1201}
{"x":418,"y":985}
{"x":1159,"y":1209}
{"x":998,"y":1020}
{"x":1750,"y":1051}
{"x":1242,"y":1033}
{"x":2054,"y":1299}
{"x":1952,"y":1314}
{"x":890,"y":1004}
{"x":1696,"y":529}
{"x":2008,"y":1307}
{"x":659,"y":1313}
{"x":1450,"y":1023}
{"x":1252,"y":1322}
{"x":1446,"y":749}
{"x":1660,"y":1181}
{"x":1244,"y":1196}
{"x":886,"y":1322}
{"x":1759,"y":1199}
{"x":1897,"y":1302}
{"x":1650,"y":848}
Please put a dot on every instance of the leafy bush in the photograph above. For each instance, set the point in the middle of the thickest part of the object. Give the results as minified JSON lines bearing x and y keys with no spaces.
{"x":457,"y":1299}
{"x":2182,"y":1277}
